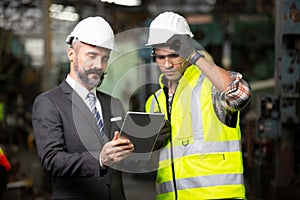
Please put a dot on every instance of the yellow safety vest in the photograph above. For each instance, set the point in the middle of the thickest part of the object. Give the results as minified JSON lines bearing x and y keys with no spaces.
{"x":207,"y":154}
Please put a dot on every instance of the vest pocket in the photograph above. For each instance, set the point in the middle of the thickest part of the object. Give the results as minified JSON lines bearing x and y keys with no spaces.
{"x":212,"y":163}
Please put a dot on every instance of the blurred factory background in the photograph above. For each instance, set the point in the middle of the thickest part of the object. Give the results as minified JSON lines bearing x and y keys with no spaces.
{"x":259,"y":38}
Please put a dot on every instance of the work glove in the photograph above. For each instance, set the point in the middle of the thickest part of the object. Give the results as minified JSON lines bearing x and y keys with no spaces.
{"x":163,"y":136}
{"x":184,"y":45}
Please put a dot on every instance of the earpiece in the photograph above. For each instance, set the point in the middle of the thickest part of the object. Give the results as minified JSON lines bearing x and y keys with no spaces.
{"x":152,"y":56}
{"x":102,"y":78}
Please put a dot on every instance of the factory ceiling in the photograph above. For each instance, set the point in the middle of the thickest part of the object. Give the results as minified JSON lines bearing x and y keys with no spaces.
{"x":27,"y":17}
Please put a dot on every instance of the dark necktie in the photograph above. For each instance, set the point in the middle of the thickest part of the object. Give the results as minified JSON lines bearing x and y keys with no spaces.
{"x":97,"y":115}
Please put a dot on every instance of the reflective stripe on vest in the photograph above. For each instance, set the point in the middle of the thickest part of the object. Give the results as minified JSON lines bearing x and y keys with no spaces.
{"x":200,"y":147}
{"x":206,"y":181}
{"x":152,"y":105}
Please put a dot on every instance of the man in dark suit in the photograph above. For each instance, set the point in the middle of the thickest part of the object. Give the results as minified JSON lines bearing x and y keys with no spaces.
{"x":76,"y":137}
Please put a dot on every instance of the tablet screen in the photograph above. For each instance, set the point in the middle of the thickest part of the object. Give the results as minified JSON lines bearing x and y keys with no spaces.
{"x":142,"y":129}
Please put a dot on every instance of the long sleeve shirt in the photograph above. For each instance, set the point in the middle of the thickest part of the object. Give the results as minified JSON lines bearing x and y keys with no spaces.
{"x":235,"y":98}
{"x":237,"y":94}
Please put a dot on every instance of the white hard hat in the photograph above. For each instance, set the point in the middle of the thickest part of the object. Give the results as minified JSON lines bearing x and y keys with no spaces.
{"x":93,"y":30}
{"x":165,"y":25}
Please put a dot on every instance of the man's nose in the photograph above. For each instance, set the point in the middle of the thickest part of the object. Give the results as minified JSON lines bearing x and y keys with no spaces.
{"x":98,"y":63}
{"x":167,"y":62}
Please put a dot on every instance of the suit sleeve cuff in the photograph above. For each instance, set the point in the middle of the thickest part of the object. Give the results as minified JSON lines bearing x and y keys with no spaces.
{"x":103,"y":168}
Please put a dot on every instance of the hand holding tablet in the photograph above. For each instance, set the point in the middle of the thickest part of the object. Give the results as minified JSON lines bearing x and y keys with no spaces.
{"x":142,"y":130}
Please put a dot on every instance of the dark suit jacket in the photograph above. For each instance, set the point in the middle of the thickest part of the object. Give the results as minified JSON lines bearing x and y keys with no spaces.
{"x":69,"y":144}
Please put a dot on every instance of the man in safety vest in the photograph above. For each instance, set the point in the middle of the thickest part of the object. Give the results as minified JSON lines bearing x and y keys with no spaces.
{"x":202,"y":158}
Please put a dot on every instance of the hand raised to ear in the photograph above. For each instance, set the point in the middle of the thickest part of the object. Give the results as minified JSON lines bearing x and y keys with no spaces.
{"x":184,"y":45}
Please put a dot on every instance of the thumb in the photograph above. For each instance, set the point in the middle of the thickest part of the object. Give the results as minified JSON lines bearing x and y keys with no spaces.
{"x":116,"y":136}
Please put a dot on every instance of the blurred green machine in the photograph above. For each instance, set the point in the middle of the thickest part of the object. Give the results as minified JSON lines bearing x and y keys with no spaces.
{"x":253,"y":46}
{"x":251,"y":40}
{"x":13,"y":86}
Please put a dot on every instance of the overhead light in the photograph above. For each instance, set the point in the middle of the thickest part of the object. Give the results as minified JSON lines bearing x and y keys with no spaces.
{"x":69,"y":9}
{"x":56,"y":8}
{"x":60,"y":12}
{"x":67,"y":16}
{"x":125,"y":2}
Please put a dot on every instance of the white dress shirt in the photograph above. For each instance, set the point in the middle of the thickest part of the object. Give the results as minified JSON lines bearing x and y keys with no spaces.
{"x":83,"y":93}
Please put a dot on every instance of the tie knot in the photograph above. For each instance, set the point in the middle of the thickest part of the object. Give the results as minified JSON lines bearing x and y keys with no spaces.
{"x":91,"y":96}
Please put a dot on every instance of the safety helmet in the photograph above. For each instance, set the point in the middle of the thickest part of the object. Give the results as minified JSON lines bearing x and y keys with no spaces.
{"x":93,"y":30}
{"x":165,"y":25}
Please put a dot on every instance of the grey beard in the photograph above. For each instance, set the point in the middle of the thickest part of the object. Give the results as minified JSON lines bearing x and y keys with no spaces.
{"x":89,"y":82}
{"x":83,"y":76}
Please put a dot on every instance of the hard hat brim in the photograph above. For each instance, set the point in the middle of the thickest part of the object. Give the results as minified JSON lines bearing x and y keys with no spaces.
{"x":70,"y":38}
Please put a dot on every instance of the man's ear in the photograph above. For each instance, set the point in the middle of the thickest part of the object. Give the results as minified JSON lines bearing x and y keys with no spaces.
{"x":71,"y":54}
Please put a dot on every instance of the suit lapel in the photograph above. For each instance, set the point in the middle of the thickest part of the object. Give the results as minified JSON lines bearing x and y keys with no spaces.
{"x":80,"y":106}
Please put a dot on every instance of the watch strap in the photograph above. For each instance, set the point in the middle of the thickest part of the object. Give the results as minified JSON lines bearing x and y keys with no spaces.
{"x":195,"y":56}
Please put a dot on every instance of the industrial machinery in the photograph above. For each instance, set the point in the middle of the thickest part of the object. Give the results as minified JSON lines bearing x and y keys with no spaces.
{"x":279,"y":113}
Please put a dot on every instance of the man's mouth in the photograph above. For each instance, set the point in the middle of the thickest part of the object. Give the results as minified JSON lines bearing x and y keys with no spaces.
{"x":169,"y":72}
{"x":94,"y":71}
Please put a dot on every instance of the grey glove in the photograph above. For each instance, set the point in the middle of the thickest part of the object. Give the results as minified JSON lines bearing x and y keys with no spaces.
{"x":186,"y":47}
{"x":163,"y":136}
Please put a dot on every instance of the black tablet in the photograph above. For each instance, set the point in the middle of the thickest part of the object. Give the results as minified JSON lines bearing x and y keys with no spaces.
{"x":142,"y":130}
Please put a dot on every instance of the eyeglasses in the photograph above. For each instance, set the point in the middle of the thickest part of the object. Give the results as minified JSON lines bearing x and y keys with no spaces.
{"x":171,"y":56}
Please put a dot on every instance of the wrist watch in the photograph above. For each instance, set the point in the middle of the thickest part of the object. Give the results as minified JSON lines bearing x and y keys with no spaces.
{"x":195,"y":56}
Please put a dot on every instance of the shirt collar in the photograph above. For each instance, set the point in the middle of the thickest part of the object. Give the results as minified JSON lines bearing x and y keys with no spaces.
{"x":78,"y":88}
